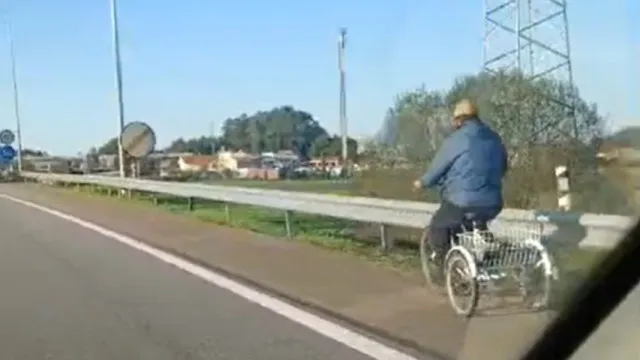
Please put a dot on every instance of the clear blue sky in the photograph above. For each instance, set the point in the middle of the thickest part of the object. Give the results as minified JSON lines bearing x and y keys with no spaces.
{"x":190,"y":62}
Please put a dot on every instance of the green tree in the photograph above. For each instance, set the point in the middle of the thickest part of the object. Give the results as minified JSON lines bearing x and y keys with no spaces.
{"x":282,"y":128}
{"x":93,"y":158}
{"x":332,"y":146}
{"x":417,"y":123}
{"x":204,"y":145}
{"x":538,"y":132}
{"x":109,"y":148}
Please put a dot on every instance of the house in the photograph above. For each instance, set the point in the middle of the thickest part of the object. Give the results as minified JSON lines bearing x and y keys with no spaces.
{"x":279,"y":159}
{"x":286,"y":157}
{"x":166,"y":155}
{"x":47,"y":164}
{"x":163,"y":163}
{"x":237,"y":161}
{"x":198,"y":163}
{"x":327,"y":162}
{"x":167,"y":166}
{"x":260,"y":174}
{"x":108,"y":162}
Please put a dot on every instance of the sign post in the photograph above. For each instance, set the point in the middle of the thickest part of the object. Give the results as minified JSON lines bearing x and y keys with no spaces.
{"x":138,"y":140}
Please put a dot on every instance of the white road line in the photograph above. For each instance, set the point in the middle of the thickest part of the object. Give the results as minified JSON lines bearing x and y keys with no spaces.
{"x":352,"y":339}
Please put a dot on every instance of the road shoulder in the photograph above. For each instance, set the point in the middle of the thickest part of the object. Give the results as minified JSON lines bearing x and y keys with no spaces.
{"x":352,"y":289}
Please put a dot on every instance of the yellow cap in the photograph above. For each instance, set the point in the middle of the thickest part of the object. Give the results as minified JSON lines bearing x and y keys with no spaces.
{"x":465,"y":108}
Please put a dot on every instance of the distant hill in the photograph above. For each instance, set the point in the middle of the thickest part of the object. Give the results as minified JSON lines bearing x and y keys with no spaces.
{"x":628,"y":136}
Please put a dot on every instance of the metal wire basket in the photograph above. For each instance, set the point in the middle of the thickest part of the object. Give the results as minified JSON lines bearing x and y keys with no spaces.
{"x":504,"y":249}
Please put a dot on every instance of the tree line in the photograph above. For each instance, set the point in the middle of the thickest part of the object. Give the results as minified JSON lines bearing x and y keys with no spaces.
{"x":281,"y":128}
{"x":544,"y":123}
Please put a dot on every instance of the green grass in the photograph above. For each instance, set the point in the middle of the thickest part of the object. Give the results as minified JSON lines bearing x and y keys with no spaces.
{"x":328,"y":233}
{"x":575,"y":266}
{"x":354,"y":238}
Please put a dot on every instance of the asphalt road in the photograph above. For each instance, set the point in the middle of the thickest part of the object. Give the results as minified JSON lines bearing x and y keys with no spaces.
{"x":70,"y":293}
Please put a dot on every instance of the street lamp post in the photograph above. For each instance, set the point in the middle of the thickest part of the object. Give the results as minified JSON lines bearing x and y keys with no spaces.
{"x":16,"y":98}
{"x":118,"y":76}
{"x":343,"y":94}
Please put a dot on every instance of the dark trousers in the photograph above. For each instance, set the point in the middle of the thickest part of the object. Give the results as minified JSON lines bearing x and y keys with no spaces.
{"x":449,"y":219}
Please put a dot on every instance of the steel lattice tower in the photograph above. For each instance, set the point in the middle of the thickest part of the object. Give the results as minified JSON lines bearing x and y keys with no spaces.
{"x":532,"y":36}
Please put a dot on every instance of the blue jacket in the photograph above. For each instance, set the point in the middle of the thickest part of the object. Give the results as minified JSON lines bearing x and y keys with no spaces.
{"x":469,"y":167}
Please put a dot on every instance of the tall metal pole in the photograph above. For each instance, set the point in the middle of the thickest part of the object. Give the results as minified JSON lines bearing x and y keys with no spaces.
{"x":118,"y":69}
{"x":16,"y":98}
{"x":518,"y":37}
{"x":547,"y":37}
{"x":572,"y":106}
{"x":343,"y":94}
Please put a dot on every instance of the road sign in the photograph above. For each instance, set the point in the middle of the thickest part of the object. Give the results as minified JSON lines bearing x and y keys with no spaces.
{"x":7,"y":137}
{"x":138,"y":139}
{"x":7,"y":153}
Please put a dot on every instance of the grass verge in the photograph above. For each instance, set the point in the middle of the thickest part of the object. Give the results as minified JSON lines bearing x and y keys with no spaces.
{"x":341,"y":235}
{"x":328,"y":233}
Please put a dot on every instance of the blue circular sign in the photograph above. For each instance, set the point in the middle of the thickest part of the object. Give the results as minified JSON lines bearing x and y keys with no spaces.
{"x":7,"y":153}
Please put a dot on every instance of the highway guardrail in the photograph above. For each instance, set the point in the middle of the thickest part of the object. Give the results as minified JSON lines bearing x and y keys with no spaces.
{"x":581,"y":229}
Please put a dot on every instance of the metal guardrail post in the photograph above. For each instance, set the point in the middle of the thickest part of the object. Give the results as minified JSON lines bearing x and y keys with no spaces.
{"x":227,"y":212}
{"x":386,"y":241}
{"x":287,"y":222}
